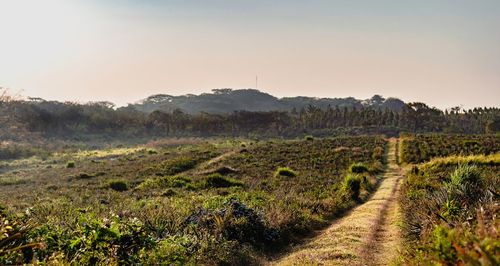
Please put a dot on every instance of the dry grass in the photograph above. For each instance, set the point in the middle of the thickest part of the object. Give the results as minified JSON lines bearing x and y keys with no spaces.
{"x":471,"y":159}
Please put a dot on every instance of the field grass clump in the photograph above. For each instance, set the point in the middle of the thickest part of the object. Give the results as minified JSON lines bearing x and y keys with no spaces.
{"x":285,"y":171}
{"x":218,"y":181}
{"x":165,"y":182}
{"x":118,"y":185}
{"x":70,"y":164}
{"x":465,"y":175}
{"x":376,"y":167}
{"x":358,"y":168}
{"x":177,"y":165}
{"x":309,"y":138}
{"x":352,"y":185}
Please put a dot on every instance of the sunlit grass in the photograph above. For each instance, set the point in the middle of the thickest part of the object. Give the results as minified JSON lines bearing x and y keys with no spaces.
{"x":470,"y":159}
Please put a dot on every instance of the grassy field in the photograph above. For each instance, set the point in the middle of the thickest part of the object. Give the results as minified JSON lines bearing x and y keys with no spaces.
{"x":451,"y":207}
{"x":422,"y":148}
{"x":202,"y":202}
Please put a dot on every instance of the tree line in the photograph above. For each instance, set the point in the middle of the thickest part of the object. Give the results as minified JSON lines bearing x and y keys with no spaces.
{"x":23,"y":118}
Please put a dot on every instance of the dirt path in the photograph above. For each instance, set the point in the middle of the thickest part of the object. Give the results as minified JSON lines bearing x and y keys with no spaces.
{"x":368,"y":235}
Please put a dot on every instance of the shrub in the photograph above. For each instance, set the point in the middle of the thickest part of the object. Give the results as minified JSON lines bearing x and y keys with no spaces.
{"x":70,"y":165}
{"x":465,"y":174}
{"x":118,"y":185}
{"x":352,"y":185}
{"x":359,"y":168}
{"x":235,"y":221}
{"x":465,"y":185}
{"x":309,"y":138}
{"x":164,"y":182}
{"x":177,"y":165}
{"x":285,"y":171}
{"x":218,"y":181}
{"x":376,"y":167}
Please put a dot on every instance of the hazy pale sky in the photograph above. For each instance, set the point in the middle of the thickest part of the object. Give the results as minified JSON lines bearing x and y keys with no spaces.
{"x":442,"y":52}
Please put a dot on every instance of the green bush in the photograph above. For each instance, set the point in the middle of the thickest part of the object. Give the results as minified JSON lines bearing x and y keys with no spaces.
{"x":352,"y":185}
{"x":118,"y":185}
{"x":285,"y":171}
{"x":359,"y":168}
{"x":309,"y":138}
{"x":219,"y":181}
{"x":70,"y":165}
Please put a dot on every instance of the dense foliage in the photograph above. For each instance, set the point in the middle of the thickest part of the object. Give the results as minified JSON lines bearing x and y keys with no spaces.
{"x":33,"y":119}
{"x":451,"y":208}
{"x":421,"y":148}
{"x":222,"y":101}
{"x":219,"y":203}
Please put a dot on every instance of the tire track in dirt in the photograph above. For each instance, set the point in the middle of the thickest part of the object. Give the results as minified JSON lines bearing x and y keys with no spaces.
{"x":367,"y":235}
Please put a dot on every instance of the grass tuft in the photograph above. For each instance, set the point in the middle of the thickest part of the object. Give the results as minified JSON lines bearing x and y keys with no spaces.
{"x":70,"y":165}
{"x":285,"y":171}
{"x":118,"y":185}
{"x":219,"y":181}
{"x":359,"y":168}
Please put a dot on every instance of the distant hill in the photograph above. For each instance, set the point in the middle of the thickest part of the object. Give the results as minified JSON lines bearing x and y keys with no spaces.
{"x":227,"y":100}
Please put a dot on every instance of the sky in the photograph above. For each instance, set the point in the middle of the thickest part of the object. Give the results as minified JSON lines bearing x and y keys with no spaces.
{"x":442,"y":52}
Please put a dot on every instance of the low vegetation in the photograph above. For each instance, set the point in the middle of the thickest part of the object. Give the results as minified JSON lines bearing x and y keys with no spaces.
{"x":359,"y":168}
{"x":450,"y":210}
{"x":285,"y":171}
{"x":173,"y":205}
{"x":422,"y":148}
{"x":352,"y":185}
{"x":118,"y":185}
